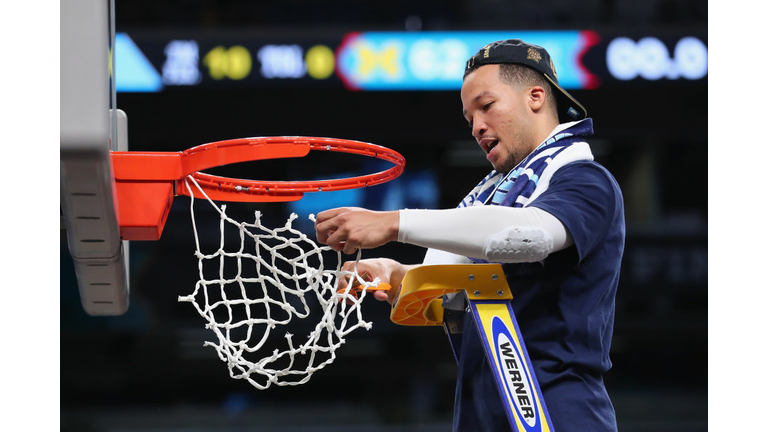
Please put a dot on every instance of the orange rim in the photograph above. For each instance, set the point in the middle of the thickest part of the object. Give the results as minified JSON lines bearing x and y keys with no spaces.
{"x":146,"y":182}
{"x":260,"y":187}
{"x":175,"y":166}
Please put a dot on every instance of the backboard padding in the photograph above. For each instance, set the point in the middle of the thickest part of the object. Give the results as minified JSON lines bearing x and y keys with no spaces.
{"x":87,"y":184}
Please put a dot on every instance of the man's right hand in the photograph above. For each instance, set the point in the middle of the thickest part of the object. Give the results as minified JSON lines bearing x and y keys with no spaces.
{"x":387,"y":270}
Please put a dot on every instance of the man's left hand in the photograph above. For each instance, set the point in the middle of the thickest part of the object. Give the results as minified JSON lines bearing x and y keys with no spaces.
{"x":350,"y":228}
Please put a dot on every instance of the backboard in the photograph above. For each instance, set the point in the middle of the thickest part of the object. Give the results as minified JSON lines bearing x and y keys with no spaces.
{"x":91,"y":126}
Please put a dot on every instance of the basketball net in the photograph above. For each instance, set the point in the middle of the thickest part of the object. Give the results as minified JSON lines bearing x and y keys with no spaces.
{"x":273,"y":277}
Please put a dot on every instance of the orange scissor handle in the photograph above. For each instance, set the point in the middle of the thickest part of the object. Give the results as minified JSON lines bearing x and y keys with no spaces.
{"x":357,"y":287}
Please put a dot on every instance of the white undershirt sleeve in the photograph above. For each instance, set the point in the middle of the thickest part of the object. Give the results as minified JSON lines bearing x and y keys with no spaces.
{"x":437,"y":256}
{"x":495,"y":233}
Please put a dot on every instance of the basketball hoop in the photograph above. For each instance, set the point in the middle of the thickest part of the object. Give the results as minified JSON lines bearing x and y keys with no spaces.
{"x":274,"y":275}
{"x":146,"y":182}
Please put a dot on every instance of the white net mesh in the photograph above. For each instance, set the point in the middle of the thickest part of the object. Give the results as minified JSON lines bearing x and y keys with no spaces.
{"x":272,"y":277}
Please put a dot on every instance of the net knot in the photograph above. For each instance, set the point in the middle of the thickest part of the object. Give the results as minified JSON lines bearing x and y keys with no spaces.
{"x":289,"y":222}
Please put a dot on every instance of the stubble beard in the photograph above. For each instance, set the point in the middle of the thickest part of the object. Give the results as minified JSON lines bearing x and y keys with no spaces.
{"x":507,"y":164}
{"x":517,"y":153}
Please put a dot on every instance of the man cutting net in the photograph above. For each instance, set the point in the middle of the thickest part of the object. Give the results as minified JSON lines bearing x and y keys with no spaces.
{"x":547,"y":211}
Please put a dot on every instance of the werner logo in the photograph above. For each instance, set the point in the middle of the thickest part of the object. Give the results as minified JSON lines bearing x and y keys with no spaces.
{"x":515,"y":375}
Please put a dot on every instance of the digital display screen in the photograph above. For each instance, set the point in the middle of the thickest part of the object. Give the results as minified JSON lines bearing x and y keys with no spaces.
{"x":392,"y":61}
{"x":649,"y":58}
{"x":436,"y":60}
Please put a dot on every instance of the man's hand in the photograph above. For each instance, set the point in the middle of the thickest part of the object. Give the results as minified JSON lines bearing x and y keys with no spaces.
{"x":387,"y":270}
{"x":349,"y":228}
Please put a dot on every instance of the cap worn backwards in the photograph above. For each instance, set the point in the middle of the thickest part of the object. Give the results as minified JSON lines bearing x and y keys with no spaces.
{"x":518,"y":52}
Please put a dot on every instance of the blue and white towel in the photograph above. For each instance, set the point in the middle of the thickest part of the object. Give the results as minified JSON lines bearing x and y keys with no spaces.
{"x":530,"y":178}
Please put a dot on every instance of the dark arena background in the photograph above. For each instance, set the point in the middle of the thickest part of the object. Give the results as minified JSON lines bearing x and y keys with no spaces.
{"x":200,"y":71}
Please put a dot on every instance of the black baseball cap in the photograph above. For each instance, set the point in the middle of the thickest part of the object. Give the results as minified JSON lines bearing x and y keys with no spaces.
{"x":537,"y":58}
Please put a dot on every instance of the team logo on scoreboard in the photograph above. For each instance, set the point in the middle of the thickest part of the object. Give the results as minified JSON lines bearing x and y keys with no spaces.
{"x":515,"y":376}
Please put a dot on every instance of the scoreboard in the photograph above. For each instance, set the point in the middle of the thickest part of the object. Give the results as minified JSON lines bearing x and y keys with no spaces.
{"x":396,"y":61}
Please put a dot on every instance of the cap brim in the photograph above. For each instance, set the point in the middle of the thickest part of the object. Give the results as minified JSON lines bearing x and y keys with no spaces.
{"x":567,"y":104}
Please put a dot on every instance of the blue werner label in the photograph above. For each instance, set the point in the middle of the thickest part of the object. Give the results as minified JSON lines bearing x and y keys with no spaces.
{"x":516,"y":378}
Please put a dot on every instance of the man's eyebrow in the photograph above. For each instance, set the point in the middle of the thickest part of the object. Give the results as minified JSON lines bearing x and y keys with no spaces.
{"x":485,"y":93}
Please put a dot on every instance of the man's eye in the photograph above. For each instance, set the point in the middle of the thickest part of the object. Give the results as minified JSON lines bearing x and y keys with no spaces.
{"x":470,"y":125}
{"x":486,"y":106}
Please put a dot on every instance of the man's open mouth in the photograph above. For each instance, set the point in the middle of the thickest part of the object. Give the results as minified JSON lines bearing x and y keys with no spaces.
{"x":492,"y":145}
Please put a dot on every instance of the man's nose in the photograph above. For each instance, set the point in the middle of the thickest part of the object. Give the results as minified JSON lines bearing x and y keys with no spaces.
{"x":479,"y":129}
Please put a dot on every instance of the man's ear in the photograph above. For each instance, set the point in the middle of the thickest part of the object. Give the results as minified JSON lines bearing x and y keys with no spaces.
{"x":536,"y":97}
